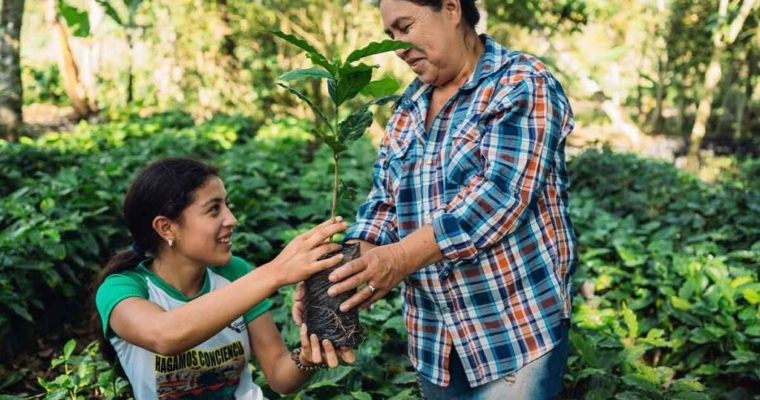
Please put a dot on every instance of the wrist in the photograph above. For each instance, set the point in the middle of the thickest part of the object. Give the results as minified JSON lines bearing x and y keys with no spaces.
{"x":302,"y":363}
{"x":272,"y":274}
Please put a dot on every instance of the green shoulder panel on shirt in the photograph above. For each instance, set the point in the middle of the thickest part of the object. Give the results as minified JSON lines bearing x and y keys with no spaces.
{"x":236,"y":268}
{"x":116,"y":288}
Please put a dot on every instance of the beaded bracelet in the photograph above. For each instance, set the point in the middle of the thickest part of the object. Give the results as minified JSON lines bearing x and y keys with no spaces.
{"x":295,"y":355}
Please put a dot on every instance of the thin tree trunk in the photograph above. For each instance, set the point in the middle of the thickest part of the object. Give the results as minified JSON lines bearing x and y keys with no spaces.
{"x":11,"y":89}
{"x":749,"y":89}
{"x":712,"y":78}
{"x":91,"y":60}
{"x":130,"y":73}
{"x":69,"y":70}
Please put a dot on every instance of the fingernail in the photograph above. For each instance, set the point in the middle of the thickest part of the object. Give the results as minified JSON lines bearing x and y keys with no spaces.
{"x":331,"y":292}
{"x":339,"y":218}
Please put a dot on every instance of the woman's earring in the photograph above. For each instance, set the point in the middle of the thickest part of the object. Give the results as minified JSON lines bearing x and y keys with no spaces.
{"x":171,"y":242}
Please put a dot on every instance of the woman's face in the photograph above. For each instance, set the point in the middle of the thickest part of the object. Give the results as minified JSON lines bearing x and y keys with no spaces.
{"x":434,"y":34}
{"x":204,"y":230}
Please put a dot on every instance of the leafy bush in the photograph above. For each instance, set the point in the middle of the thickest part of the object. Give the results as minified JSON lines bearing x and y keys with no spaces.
{"x":82,"y":376}
{"x":669,"y":296}
{"x":669,"y":264}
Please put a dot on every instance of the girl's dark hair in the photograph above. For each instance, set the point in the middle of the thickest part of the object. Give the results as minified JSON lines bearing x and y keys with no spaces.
{"x":469,"y":9}
{"x":165,"y":187}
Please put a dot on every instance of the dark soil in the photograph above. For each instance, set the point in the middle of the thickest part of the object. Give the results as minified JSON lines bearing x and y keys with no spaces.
{"x":322,"y":314}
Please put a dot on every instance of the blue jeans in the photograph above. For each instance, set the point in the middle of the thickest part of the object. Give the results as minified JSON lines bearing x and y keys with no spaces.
{"x":541,"y":379}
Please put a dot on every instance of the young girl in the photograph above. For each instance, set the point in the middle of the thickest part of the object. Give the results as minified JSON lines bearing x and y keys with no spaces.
{"x":182,"y":313}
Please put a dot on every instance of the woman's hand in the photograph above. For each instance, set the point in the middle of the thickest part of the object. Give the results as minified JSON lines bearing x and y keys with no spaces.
{"x":299,"y":301}
{"x":379,"y":269}
{"x":299,"y":259}
{"x":312,"y":353}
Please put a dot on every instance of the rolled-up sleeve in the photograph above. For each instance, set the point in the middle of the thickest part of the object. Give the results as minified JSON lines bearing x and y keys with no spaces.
{"x":376,"y":217}
{"x":518,"y":142}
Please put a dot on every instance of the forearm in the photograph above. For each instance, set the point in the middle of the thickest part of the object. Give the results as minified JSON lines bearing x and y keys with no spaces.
{"x":182,"y":329}
{"x":419,"y":249}
{"x":286,"y":377}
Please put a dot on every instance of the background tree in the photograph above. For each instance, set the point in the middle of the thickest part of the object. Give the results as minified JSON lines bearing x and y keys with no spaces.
{"x":56,"y":10}
{"x":725,"y":33}
{"x":11,"y":90}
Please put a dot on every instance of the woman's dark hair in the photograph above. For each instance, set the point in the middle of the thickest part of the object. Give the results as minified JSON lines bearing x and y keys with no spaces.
{"x":165,"y":187}
{"x":470,"y":11}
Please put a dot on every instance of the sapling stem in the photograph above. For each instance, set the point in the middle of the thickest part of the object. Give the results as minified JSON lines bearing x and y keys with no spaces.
{"x":336,"y":174}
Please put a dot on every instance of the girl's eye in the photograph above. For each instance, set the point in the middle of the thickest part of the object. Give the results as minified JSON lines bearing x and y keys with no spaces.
{"x":214,"y":209}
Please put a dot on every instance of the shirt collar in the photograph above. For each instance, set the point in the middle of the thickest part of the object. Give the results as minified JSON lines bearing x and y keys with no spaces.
{"x":494,"y":57}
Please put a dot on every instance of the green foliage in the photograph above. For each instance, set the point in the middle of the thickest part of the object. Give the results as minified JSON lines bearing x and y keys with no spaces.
{"x":42,"y":85}
{"x":60,"y":204}
{"x":345,"y":80}
{"x":75,"y":18}
{"x":83,"y":375}
{"x":673,"y":263}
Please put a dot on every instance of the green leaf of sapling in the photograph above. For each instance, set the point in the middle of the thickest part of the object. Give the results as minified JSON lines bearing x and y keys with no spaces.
{"x":314,"y":55}
{"x":354,"y":126}
{"x":306,"y":73}
{"x":351,"y":80}
{"x":320,"y":115}
{"x":382,"y":87}
{"x":377,"y":48}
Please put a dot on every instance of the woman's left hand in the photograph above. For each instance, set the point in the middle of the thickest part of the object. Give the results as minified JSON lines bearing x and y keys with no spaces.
{"x":380,"y":269}
{"x":312,"y":353}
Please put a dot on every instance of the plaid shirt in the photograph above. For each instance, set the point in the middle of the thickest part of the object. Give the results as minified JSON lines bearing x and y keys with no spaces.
{"x":490,"y":177}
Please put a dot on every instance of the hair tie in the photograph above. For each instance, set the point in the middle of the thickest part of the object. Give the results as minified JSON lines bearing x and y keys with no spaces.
{"x":137,"y":249}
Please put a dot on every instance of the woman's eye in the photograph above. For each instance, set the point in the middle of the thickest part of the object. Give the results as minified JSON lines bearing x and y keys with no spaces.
{"x":405,"y":29}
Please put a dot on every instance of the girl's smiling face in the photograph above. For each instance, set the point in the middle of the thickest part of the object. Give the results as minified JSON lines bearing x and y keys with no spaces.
{"x":204,"y":230}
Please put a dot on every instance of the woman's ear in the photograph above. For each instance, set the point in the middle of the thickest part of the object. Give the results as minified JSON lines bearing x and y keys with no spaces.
{"x":453,"y":9}
{"x":165,"y":228}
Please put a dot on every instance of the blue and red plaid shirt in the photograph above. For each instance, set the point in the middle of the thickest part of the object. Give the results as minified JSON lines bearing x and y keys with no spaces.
{"x":489,"y":176}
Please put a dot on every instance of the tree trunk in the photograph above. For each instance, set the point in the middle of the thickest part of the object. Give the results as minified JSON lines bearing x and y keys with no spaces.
{"x":130,"y":73}
{"x":69,"y":70}
{"x":749,"y":89}
{"x":11,"y":90}
{"x":712,"y":78}
{"x":91,"y":57}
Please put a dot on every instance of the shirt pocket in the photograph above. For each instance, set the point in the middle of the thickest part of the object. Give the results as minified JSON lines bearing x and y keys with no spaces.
{"x":398,"y":162}
{"x":463,"y":159}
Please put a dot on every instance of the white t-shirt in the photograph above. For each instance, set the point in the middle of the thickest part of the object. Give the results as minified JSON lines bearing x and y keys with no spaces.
{"x":214,"y":369}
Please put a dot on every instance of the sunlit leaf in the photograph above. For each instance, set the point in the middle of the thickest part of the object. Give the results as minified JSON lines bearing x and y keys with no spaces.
{"x":306,"y":73}
{"x":320,"y":115}
{"x":75,"y":18}
{"x":377,"y":48}
{"x":314,"y":55}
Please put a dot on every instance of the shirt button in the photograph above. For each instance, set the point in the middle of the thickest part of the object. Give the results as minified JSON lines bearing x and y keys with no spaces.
{"x":429,"y":161}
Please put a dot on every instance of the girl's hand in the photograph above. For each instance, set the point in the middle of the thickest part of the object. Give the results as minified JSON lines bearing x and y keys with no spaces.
{"x":312,"y":353}
{"x":298,"y":260}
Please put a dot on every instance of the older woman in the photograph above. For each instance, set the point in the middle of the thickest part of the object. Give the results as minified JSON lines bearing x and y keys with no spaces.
{"x":470,"y":210}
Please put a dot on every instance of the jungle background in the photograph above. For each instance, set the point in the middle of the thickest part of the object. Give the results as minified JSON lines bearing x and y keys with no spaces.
{"x":664,"y":166}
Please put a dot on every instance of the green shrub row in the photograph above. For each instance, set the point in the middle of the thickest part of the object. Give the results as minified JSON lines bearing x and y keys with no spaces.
{"x":667,"y":298}
{"x":670,"y":302}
